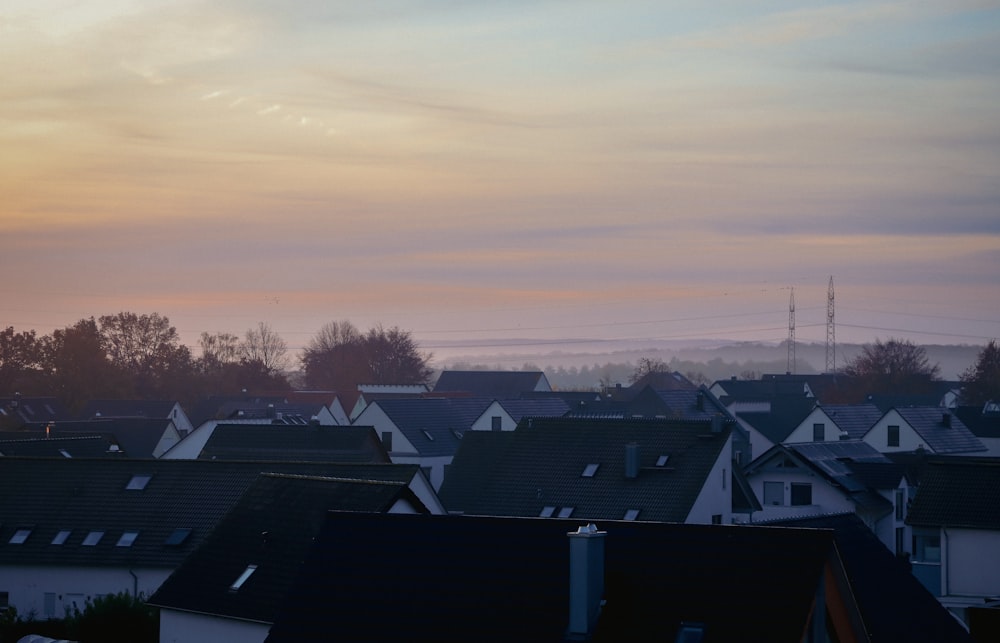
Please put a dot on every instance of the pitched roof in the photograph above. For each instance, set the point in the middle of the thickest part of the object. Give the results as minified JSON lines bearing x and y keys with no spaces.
{"x":518,"y":473}
{"x":33,"y":409}
{"x":159,"y":409}
{"x":785,"y":416}
{"x":958,"y":492}
{"x":894,"y":605}
{"x":493,"y":384}
{"x":271,"y":527}
{"x":762,"y":390}
{"x":549,"y":407}
{"x":855,"y":419}
{"x":682,"y":404}
{"x":21,"y":443}
{"x":984,"y":422}
{"x":138,"y":437}
{"x":346,"y":444}
{"x":664,"y":381}
{"x":51,"y":495}
{"x":463,"y":578}
{"x":941,"y":431}
{"x":433,"y":424}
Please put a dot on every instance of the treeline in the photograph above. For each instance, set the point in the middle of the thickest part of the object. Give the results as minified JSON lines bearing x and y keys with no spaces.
{"x":140,"y":356}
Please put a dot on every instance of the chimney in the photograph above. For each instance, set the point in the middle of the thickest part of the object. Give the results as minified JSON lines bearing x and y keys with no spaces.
{"x":586,"y":579}
{"x":632,"y":460}
{"x":946,"y":419}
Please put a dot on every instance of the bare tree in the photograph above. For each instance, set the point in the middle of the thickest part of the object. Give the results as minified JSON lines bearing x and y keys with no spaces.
{"x":219,"y":349}
{"x":895,"y":366}
{"x":340,"y":357}
{"x":263,"y":346}
{"x":646,"y":366}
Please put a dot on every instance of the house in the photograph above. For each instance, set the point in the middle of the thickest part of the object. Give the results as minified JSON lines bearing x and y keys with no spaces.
{"x":465,"y":578}
{"x":151,"y":409}
{"x":76,"y":528}
{"x":423,"y":430}
{"x":504,"y":415}
{"x":740,"y":395}
{"x":55,"y":445}
{"x":852,"y":420}
{"x":137,"y":437}
{"x":824,"y":478}
{"x":230,"y":588}
{"x":635,"y":469}
{"x":930,"y":428}
{"x":16,"y":411}
{"x":894,"y":605}
{"x":272,"y":406}
{"x":955,"y":517}
{"x":773,"y":422}
{"x":984,"y":422}
{"x":311,"y":443}
{"x":497,"y":385}
{"x":368,"y":393}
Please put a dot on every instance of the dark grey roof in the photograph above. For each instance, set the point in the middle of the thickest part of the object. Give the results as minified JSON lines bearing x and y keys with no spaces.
{"x":935,"y":393}
{"x":443,"y":418}
{"x":391,"y":577}
{"x":681,"y":404}
{"x":550,"y":407}
{"x":33,"y":409}
{"x":223,"y":407}
{"x":958,"y":492}
{"x":518,"y":473}
{"x":20,"y":443}
{"x":761,"y":390}
{"x":272,"y":527}
{"x":663,"y":381}
{"x":347,"y":444}
{"x":49,"y":495}
{"x":895,"y":606}
{"x":159,"y":409}
{"x":983,"y":422}
{"x":785,"y":416}
{"x":138,"y":437}
{"x":941,"y":431}
{"x":855,"y":419}
{"x":493,"y":384}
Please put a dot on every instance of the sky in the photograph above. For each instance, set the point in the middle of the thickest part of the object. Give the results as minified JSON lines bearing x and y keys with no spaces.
{"x":472,"y":171}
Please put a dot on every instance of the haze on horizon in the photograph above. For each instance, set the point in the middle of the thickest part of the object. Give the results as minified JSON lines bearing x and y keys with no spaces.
{"x":523,"y":170}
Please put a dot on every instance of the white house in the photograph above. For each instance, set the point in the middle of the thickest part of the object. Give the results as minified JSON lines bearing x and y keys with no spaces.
{"x":504,"y":415}
{"x":931,"y":429}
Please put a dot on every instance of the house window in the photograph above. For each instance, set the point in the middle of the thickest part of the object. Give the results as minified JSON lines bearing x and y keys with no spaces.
{"x":127,"y":539}
{"x":566,"y":512}
{"x":802,"y":493}
{"x":893,"y":435}
{"x":900,"y":531}
{"x":547,"y":511}
{"x":50,"y":604}
{"x":495,"y":423}
{"x":819,"y":432}
{"x":177,"y":537}
{"x":93,"y":538}
{"x":927,"y":546}
{"x":387,"y":440}
{"x":247,"y":573}
{"x":589,"y":470}
{"x":900,"y":504}
{"x":716,"y":519}
{"x":61,"y":537}
{"x":631,"y":514}
{"x":138,"y":482}
{"x":774,"y":493}
{"x":20,"y":536}
{"x":662,"y":460}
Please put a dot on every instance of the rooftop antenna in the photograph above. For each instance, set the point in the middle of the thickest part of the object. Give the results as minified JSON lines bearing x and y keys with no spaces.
{"x":831,"y":332}
{"x":791,"y":331}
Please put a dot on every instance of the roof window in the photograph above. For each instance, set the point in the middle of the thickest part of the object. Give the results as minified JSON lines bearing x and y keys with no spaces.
{"x":20,"y":536}
{"x":177,"y":537}
{"x":247,"y":573}
{"x":127,"y":539}
{"x":427,"y":434}
{"x":547,"y":511}
{"x":61,"y":537}
{"x":662,"y":460}
{"x":566,"y":512}
{"x":92,"y":538}
{"x":138,"y":482}
{"x":631,"y":514}
{"x":590,"y":470}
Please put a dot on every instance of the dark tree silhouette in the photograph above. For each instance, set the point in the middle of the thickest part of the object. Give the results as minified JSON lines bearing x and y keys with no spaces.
{"x":895,"y":366}
{"x":77,"y":367}
{"x":340,"y":357}
{"x":981,"y":381}
{"x":20,"y":361}
{"x":148,"y":350}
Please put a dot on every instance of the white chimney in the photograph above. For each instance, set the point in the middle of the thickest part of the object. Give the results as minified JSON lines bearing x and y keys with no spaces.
{"x":586,"y":579}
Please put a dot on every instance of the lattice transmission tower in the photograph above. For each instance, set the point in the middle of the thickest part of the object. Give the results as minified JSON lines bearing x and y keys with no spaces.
{"x":831,"y":332}
{"x":791,"y":331}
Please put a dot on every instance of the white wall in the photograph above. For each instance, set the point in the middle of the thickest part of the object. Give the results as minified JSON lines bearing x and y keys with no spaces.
{"x":27,"y":585}
{"x":878,"y":435}
{"x":374,"y":416}
{"x":972,"y":562}
{"x":187,"y":627}
{"x":435,"y":464}
{"x":485,"y":421}
{"x":825,"y":498}
{"x":804,"y":431}
{"x":716,"y":496}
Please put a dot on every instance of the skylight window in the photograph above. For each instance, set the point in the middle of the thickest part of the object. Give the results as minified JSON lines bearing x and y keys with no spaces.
{"x":427,"y":434}
{"x":177,"y":537}
{"x":61,"y":537}
{"x":589,"y":470}
{"x":547,"y":511}
{"x":64,"y":453}
{"x":247,"y":573}
{"x":93,"y":538}
{"x":139,"y":482}
{"x":20,"y":536}
{"x":662,"y":460}
{"x":127,"y":539}
{"x":631,"y":514}
{"x":566,"y":512}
